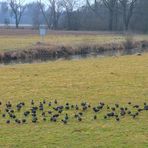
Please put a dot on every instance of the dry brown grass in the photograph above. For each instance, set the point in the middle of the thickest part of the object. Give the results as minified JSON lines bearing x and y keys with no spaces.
{"x":43,"y":51}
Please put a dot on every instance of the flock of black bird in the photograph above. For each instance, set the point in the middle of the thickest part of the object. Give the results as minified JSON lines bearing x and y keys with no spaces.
{"x":54,"y":112}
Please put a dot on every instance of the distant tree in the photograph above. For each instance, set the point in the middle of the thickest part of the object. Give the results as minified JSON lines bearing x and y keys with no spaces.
{"x":36,"y":17}
{"x":128,"y":7}
{"x":6,"y":21}
{"x":69,"y":6}
{"x":94,"y":6}
{"x":98,"y":8}
{"x":4,"y":11}
{"x":4,"y":7}
{"x":111,"y":6}
{"x":17,"y":8}
{"x":35,"y":14}
{"x":140,"y":14}
{"x":78,"y":14}
{"x":53,"y":12}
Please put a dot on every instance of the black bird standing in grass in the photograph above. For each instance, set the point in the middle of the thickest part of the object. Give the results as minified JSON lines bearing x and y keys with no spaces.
{"x":44,"y":119}
{"x":81,"y":114}
{"x":7,"y":110}
{"x":43,"y":114}
{"x":23,"y":120}
{"x":44,"y":101}
{"x":108,"y":107}
{"x":146,"y":107}
{"x":105,"y":117}
{"x":8,"y":105}
{"x":84,"y":108}
{"x":53,"y":119}
{"x":79,"y":119}
{"x":49,"y":112}
{"x":34,"y":119}
{"x":76,"y":116}
{"x":64,"y":121}
{"x":72,"y":106}
{"x":67,"y":107}
{"x":116,"y":105}
{"x":12,"y":111}
{"x":19,"y":121}
{"x":134,"y":116}
{"x":66,"y":117}
{"x":49,"y":104}
{"x":95,"y":109}
{"x":102,"y":103}
{"x":55,"y":101}
{"x":8,"y":121}
{"x":32,"y":102}
{"x":41,"y":107}
{"x":129,"y":112}
{"x":140,"y":110}
{"x":95,"y":117}
{"x":14,"y":116}
{"x":77,"y":108}
{"x":117,"y":119}
{"x":111,"y":114}
{"x":113,"y":108}
{"x":60,"y":111}
{"x":26,"y":113}
{"x":122,"y":113}
{"x":3,"y":115}
{"x":136,"y":106}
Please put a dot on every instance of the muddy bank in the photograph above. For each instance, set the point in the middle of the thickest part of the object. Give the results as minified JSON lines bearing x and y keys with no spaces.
{"x":42,"y":52}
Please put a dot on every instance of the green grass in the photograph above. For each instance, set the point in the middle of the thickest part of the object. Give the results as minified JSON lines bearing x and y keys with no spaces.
{"x":21,"y":41}
{"x":111,"y":79}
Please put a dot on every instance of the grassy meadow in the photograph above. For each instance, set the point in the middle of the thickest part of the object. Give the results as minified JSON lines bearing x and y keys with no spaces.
{"x":110,"y":79}
{"x":17,"y":42}
{"x":21,"y":39}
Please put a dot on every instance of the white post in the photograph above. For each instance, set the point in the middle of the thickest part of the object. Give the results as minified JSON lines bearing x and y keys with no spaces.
{"x":42,"y":32}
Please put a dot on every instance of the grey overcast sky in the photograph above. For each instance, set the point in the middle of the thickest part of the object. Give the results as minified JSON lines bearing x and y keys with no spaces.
{"x":27,"y":1}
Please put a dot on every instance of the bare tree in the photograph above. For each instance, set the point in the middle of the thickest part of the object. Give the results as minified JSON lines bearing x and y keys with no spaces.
{"x":54,"y":8}
{"x":35,"y":14}
{"x":141,"y":14}
{"x":111,"y":6}
{"x":4,"y":7}
{"x":95,"y":6}
{"x":128,"y":7}
{"x":18,"y":8}
{"x":69,"y":6}
{"x":43,"y":11}
{"x":4,"y":11}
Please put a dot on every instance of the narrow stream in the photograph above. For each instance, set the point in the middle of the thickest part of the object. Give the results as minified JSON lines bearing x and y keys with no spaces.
{"x":75,"y":57}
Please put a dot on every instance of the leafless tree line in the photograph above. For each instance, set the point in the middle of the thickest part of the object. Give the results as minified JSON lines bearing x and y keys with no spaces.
{"x":86,"y":14}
